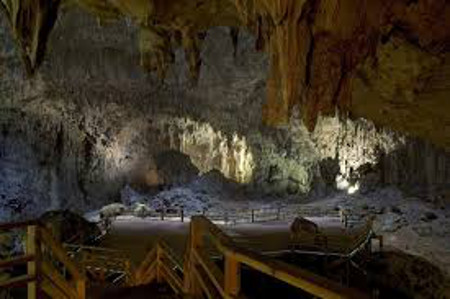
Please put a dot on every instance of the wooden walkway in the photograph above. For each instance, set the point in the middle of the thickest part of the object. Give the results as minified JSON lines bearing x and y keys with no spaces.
{"x":184,"y":260}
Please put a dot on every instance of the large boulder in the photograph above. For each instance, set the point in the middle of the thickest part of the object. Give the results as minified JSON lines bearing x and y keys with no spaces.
{"x":112,"y":210}
{"x":68,"y":227}
{"x":175,"y":168}
{"x":401,"y":275}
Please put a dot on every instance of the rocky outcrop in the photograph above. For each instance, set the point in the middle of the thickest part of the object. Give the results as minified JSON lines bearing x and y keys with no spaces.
{"x":68,"y":227}
{"x":325,"y":56}
{"x":88,"y":124}
{"x":358,"y":156}
{"x":91,"y":121}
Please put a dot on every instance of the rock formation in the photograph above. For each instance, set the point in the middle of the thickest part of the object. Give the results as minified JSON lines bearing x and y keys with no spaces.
{"x":325,"y":56}
{"x":91,"y":120}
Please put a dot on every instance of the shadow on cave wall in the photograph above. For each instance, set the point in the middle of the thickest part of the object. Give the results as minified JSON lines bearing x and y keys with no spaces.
{"x":167,"y":169}
{"x":417,"y":168}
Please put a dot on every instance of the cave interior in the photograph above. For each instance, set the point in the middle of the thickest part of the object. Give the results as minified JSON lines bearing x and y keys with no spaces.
{"x":314,"y":108}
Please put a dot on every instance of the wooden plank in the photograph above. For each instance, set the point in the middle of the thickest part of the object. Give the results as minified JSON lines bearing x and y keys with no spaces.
{"x":149,"y":258}
{"x":299,"y":278}
{"x":32,"y":269}
{"x":61,"y":254}
{"x":170,"y":254}
{"x":175,"y":282}
{"x":150,"y":276}
{"x":17,"y":260}
{"x":207,"y":287}
{"x":305,"y":280}
{"x":51,"y":291}
{"x":142,"y":277}
{"x":57,"y":280}
{"x":80,"y":287}
{"x":212,"y":271}
{"x":17,"y":281}
{"x":232,"y":281}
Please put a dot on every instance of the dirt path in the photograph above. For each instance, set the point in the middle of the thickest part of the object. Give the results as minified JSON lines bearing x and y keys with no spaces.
{"x":137,"y":236}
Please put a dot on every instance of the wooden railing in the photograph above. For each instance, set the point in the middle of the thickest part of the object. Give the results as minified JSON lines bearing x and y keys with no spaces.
{"x":51,"y":270}
{"x":48,"y":267}
{"x":203,"y":277}
{"x":160,"y":264}
{"x":335,"y":243}
{"x":100,"y":262}
{"x":244,"y":215}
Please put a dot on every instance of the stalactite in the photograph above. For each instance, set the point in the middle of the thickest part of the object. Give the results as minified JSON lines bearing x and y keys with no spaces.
{"x":315,"y":47}
{"x":31,"y":23}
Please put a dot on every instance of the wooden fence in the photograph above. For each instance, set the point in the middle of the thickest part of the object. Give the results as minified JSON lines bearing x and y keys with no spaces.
{"x":53,"y":270}
{"x":202,"y":277}
{"x":48,"y":267}
{"x":246,"y":215}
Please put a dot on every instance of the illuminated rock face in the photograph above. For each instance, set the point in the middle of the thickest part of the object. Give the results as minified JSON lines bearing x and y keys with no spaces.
{"x":91,"y":120}
{"x":366,"y":157}
{"x":112,"y":119}
{"x":325,"y":56}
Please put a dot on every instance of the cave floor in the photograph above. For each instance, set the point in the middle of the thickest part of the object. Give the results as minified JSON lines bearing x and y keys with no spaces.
{"x":402,"y":221}
{"x":136,"y":236}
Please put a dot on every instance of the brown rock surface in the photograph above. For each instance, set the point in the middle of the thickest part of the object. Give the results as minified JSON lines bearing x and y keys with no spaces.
{"x":325,"y":55}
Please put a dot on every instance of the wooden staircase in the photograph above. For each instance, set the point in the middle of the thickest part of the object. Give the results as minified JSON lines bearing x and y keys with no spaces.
{"x":211,"y":268}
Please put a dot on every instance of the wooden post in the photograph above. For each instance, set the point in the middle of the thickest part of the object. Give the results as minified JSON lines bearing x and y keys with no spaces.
{"x":190,"y":285}
{"x":158,"y":264}
{"x":129,"y":276}
{"x":253,"y":215}
{"x":80,"y":284}
{"x":232,"y":276}
{"x":182,"y":215}
{"x":162,"y":214}
{"x":81,"y":288}
{"x":32,"y":248}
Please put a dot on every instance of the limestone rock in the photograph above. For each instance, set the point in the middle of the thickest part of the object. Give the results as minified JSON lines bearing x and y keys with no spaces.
{"x":321,"y":52}
{"x":68,"y":227}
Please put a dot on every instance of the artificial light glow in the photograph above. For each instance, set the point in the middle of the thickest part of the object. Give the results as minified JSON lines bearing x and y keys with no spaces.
{"x":207,"y":147}
{"x":342,"y":183}
{"x":353,"y":189}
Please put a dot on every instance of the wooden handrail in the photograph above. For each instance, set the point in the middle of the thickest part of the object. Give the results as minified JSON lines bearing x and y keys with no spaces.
{"x":213,"y":272}
{"x":17,"y":281}
{"x":156,"y":265}
{"x":41,"y":273}
{"x":200,"y":274}
{"x":59,"y":251}
{"x":17,"y":225}
{"x":303,"y":279}
{"x":17,"y":260}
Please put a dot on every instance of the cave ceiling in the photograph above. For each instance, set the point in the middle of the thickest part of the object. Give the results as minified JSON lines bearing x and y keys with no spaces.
{"x":384,"y":60}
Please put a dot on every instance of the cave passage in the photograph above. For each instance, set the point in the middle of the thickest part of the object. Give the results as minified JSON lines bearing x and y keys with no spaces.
{"x":310,"y":137}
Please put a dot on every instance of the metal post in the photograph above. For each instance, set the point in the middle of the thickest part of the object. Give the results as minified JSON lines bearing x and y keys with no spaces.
{"x":182,"y":215}
{"x":253,"y":216}
{"x":162,"y":213}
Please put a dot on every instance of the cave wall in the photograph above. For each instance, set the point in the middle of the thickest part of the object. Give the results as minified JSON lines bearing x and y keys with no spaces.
{"x":359,"y":156}
{"x":97,"y":120}
{"x":324,"y":56}
{"x":91,"y":121}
